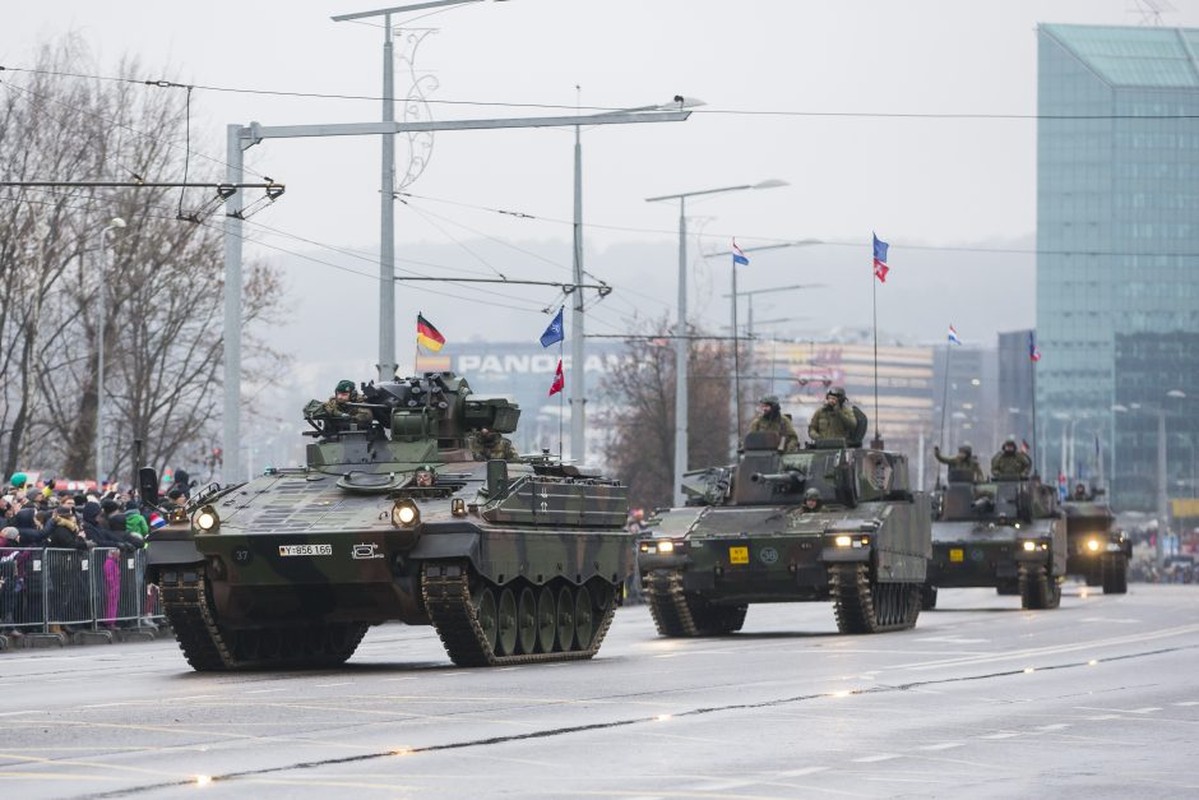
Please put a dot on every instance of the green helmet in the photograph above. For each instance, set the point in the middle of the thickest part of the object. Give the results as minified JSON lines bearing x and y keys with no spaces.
{"x":812,"y":494}
{"x":771,"y":400}
{"x":344,"y":386}
{"x":837,"y":392}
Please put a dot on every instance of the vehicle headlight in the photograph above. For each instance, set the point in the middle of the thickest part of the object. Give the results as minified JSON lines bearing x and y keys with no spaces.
{"x":666,"y":546}
{"x":851,"y":540}
{"x":1093,"y":545}
{"x":405,"y":514}
{"x":206,"y":519}
{"x":843,"y":540}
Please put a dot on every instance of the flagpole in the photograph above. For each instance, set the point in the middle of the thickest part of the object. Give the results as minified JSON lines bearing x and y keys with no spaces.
{"x":1032,"y":364}
{"x":562,"y":413}
{"x":944,"y":400}
{"x":415,"y":348}
{"x":874,"y":322}
{"x":736,"y":358}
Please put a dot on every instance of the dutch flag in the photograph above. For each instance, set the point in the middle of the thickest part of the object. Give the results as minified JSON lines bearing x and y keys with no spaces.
{"x":953,"y":335}
{"x":739,"y":256}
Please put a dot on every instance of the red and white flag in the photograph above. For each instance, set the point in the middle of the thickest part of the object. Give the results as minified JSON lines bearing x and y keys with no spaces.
{"x":559,"y":380}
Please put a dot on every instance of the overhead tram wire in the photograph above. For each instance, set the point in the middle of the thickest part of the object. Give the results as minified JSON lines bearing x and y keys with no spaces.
{"x":708,"y":110}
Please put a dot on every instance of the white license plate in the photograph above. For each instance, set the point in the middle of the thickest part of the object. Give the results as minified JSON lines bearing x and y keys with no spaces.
{"x":305,"y":549}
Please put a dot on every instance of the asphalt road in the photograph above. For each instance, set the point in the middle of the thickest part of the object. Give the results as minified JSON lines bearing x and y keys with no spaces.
{"x":1097,"y":699}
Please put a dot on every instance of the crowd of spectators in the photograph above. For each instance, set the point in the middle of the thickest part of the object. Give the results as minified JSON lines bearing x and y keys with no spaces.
{"x":40,"y":516}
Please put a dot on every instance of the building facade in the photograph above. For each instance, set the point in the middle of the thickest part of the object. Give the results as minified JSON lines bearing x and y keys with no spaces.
{"x":1118,"y":250}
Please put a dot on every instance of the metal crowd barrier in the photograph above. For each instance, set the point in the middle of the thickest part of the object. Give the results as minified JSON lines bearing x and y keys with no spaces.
{"x":51,"y":591}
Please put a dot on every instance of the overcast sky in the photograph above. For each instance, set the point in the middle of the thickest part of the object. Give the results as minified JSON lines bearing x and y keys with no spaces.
{"x":855,"y":104}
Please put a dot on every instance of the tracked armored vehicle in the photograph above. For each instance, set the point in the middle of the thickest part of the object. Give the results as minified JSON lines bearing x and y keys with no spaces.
{"x":511,"y":562}
{"x":747,"y":536}
{"x":1096,"y":550}
{"x":1009,"y":534}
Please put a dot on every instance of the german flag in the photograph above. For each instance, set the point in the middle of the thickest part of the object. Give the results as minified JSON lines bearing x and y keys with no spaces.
{"x":427,"y":336}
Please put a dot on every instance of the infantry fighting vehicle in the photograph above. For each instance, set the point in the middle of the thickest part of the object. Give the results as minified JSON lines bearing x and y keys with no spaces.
{"x":1095,"y":549}
{"x":510,"y":562}
{"x":1008,"y":534}
{"x":745,"y":537}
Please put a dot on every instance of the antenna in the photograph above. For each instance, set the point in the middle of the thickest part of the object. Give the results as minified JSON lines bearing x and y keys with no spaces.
{"x":1151,"y":10}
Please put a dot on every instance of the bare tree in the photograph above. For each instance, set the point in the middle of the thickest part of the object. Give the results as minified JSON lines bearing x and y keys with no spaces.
{"x":161,"y":288}
{"x":642,"y":389}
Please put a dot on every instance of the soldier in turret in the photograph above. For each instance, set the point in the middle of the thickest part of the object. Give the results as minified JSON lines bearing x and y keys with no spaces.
{"x":1009,"y":462}
{"x":338,"y":406}
{"x":965,"y":459}
{"x":487,"y":445}
{"x":833,"y":420}
{"x":772,"y":420}
{"x":811,"y":501}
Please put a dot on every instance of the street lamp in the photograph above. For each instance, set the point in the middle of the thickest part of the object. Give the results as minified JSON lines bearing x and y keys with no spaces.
{"x":114,"y":224}
{"x":1163,"y":503}
{"x":736,"y":336}
{"x":681,"y":341}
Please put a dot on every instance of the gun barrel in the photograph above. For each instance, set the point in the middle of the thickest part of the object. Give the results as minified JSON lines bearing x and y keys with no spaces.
{"x":793,"y":479}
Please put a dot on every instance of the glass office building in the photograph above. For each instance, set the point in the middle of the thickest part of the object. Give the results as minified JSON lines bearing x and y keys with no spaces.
{"x":1118,"y":254}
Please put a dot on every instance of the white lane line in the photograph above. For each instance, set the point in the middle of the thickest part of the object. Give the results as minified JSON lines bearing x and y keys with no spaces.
{"x":330,"y":685}
{"x":943,"y":746}
{"x":1055,"y":727}
{"x":1145,"y":710}
{"x":873,"y":759}
{"x":1188,"y":703}
{"x":726,"y":786}
{"x":1004,"y":735}
{"x":262,"y":691}
{"x":1102,"y":717}
{"x":15,"y":713}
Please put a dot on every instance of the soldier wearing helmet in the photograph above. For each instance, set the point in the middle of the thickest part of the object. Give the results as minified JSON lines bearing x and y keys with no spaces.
{"x":1009,"y":462}
{"x":811,"y":501}
{"x":338,"y":406}
{"x":965,"y":459}
{"x":833,"y":420}
{"x":771,"y":419}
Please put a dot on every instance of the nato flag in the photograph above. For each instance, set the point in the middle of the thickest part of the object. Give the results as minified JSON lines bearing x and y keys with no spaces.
{"x":553,"y":334}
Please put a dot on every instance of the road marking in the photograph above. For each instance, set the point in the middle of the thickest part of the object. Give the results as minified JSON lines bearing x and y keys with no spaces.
{"x":263,"y":691}
{"x":729,"y":785}
{"x":1055,"y":727}
{"x":943,"y":746}
{"x":1004,"y":735}
{"x":873,"y":759}
{"x":330,"y":685}
{"x":1188,"y":703}
{"x":797,"y":773}
{"x":1102,"y":717}
{"x":1145,"y":710}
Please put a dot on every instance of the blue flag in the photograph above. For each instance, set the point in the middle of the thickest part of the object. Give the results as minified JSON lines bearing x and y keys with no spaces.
{"x":553,"y":334}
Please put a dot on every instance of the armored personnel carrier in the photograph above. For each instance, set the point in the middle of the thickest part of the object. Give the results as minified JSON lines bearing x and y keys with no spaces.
{"x":1095,"y":549}
{"x":746,"y":535}
{"x":511,"y":562}
{"x":1008,"y":534}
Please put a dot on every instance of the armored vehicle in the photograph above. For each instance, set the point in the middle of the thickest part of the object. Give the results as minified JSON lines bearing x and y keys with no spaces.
{"x":393,"y":519}
{"x":746,"y":535}
{"x":1095,"y":549}
{"x":1009,"y":534}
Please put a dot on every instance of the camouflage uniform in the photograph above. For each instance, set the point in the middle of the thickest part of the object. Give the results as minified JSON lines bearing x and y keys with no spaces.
{"x":963,"y":460}
{"x":1011,"y":464}
{"x":776,"y":422}
{"x":832,"y":423}
{"x":489,"y":446}
{"x":336,"y":408}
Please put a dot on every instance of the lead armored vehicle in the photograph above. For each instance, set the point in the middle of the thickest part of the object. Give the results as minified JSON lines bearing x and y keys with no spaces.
{"x":1095,"y":549}
{"x":511,"y":562}
{"x":1009,"y":534}
{"x":747,"y":536}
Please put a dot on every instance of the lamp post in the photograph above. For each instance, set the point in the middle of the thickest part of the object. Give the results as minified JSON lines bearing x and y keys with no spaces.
{"x":681,"y":340}
{"x":113,"y":224}
{"x":733,"y":315}
{"x":1163,"y":502}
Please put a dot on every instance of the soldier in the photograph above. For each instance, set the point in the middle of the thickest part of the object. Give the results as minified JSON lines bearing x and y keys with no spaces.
{"x":965,"y":459}
{"x":771,"y":419}
{"x":487,"y":445}
{"x":424,"y":475}
{"x":337,"y":406}
{"x":1009,"y":462}
{"x":811,"y":501}
{"x":1081,"y":493}
{"x":835,"y":419}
